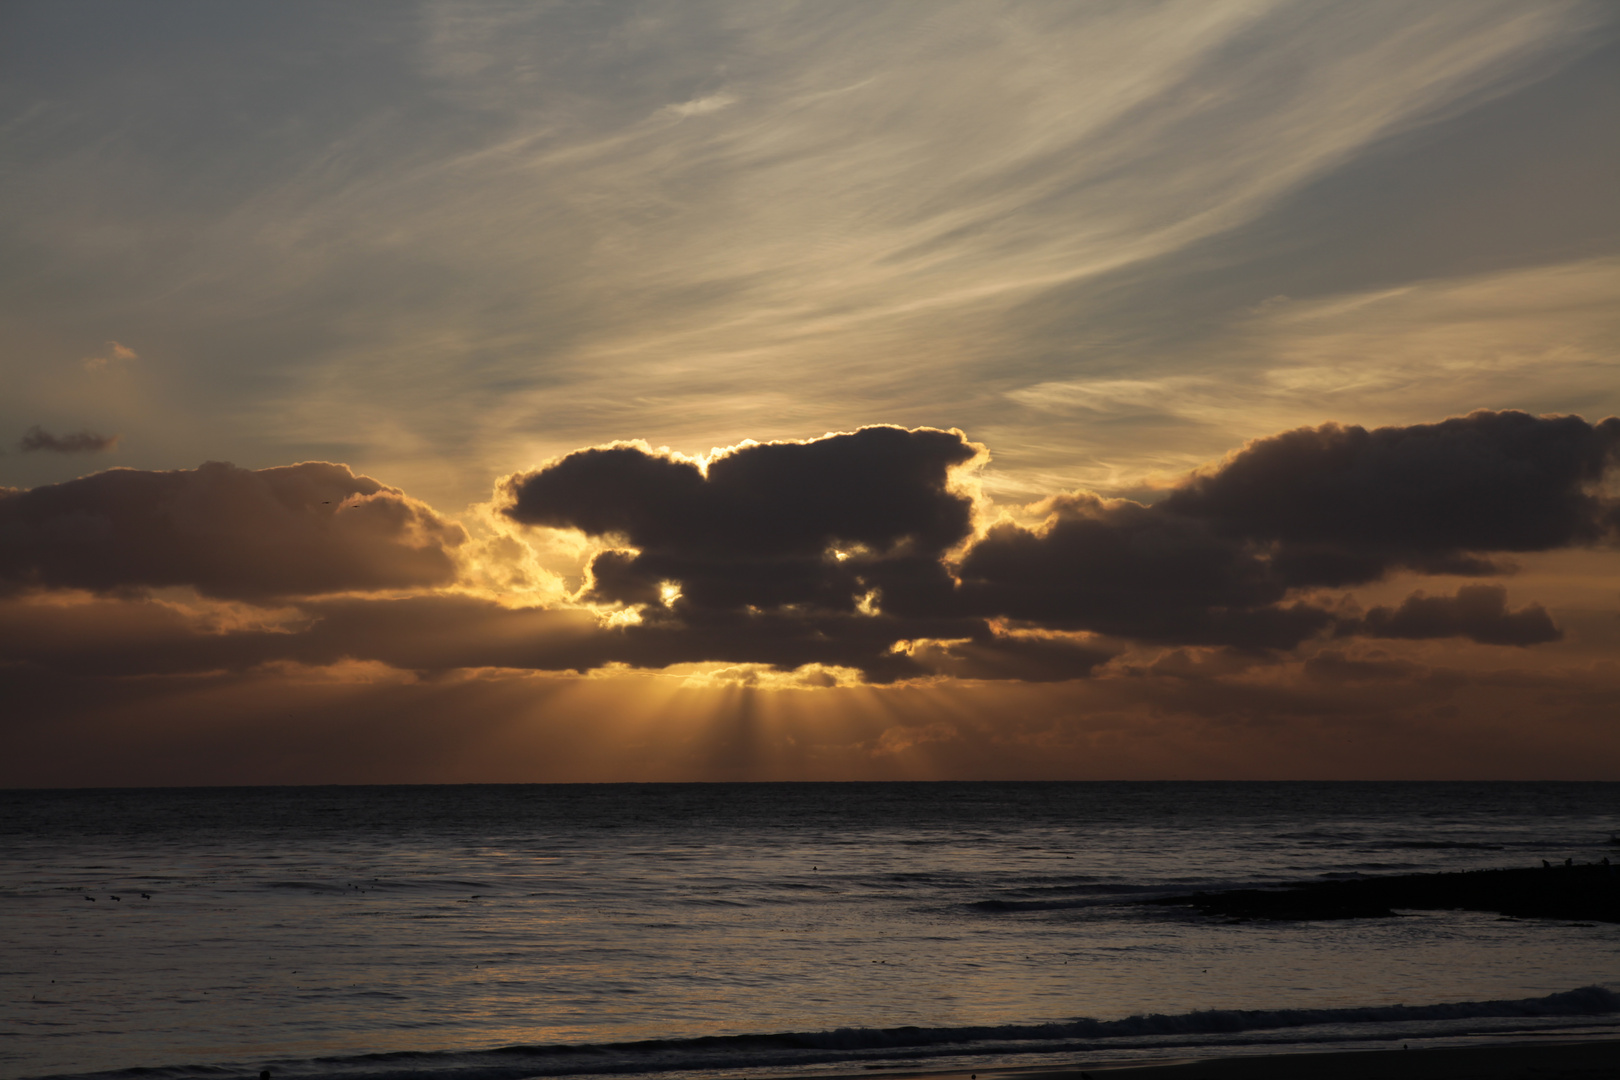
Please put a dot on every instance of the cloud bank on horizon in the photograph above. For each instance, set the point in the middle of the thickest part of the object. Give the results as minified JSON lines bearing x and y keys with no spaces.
{"x":863,"y":559}
{"x":866,"y":551}
{"x":1202,"y":371}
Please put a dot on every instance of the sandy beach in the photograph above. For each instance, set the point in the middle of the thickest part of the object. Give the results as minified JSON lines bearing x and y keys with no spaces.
{"x":1514,"y":1061}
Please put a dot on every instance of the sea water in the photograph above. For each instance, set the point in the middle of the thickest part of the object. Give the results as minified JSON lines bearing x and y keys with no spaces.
{"x":495,"y":932}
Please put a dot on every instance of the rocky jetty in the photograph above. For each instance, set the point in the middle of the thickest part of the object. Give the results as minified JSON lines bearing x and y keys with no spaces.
{"x":1589,"y":892}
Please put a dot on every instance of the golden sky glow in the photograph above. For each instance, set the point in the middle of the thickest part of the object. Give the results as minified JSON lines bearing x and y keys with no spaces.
{"x":436,"y":249}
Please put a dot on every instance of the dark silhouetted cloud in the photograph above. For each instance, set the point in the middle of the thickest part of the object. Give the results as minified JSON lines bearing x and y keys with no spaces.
{"x":1135,"y":571}
{"x":293,"y":530}
{"x":82,"y":442}
{"x":876,"y":486}
{"x":1344,"y":505}
{"x":853,"y":551}
{"x":1213,"y":562}
{"x":1477,"y":612}
{"x":780,"y":551}
{"x":833,"y":549}
{"x":766,"y":524}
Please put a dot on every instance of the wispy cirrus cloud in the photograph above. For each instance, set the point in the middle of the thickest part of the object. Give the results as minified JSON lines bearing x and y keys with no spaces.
{"x":698,"y":223}
{"x":115,"y":353}
{"x":700,"y":106}
{"x":1535,"y":337}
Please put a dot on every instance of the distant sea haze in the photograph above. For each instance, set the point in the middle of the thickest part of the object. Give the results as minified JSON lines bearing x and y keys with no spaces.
{"x":494,"y":932}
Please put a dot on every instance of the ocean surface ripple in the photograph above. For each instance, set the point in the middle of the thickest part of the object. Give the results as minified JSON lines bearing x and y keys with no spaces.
{"x":494,"y":932}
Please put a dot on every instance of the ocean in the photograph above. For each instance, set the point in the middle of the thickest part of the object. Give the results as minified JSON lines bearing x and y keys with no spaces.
{"x":714,"y":930}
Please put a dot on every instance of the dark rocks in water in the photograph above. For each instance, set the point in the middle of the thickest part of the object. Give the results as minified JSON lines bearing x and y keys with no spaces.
{"x":1588,"y":893}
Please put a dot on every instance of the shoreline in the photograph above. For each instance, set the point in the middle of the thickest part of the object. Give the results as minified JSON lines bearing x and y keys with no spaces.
{"x":1584,"y":1059}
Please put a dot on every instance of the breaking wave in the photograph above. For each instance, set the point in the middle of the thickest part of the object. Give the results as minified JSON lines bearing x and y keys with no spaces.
{"x":855,"y":1046}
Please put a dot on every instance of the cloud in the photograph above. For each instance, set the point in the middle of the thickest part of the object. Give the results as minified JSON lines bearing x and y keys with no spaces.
{"x":847,"y":610}
{"x":1542,"y":338}
{"x":1118,"y":567}
{"x":818,"y":522}
{"x":122,"y":635}
{"x":831,"y":550}
{"x":115,"y":354}
{"x":228,"y":532}
{"x":82,"y":442}
{"x":779,"y":553}
{"x":1477,"y":612}
{"x":1528,"y":334}
{"x":533,"y":255}
{"x":1343,"y":505}
{"x":1215,"y":560}
{"x":864,"y":551}
{"x":701,"y":105}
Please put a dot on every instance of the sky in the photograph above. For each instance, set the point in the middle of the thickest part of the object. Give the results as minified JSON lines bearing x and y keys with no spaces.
{"x":573,"y":391}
